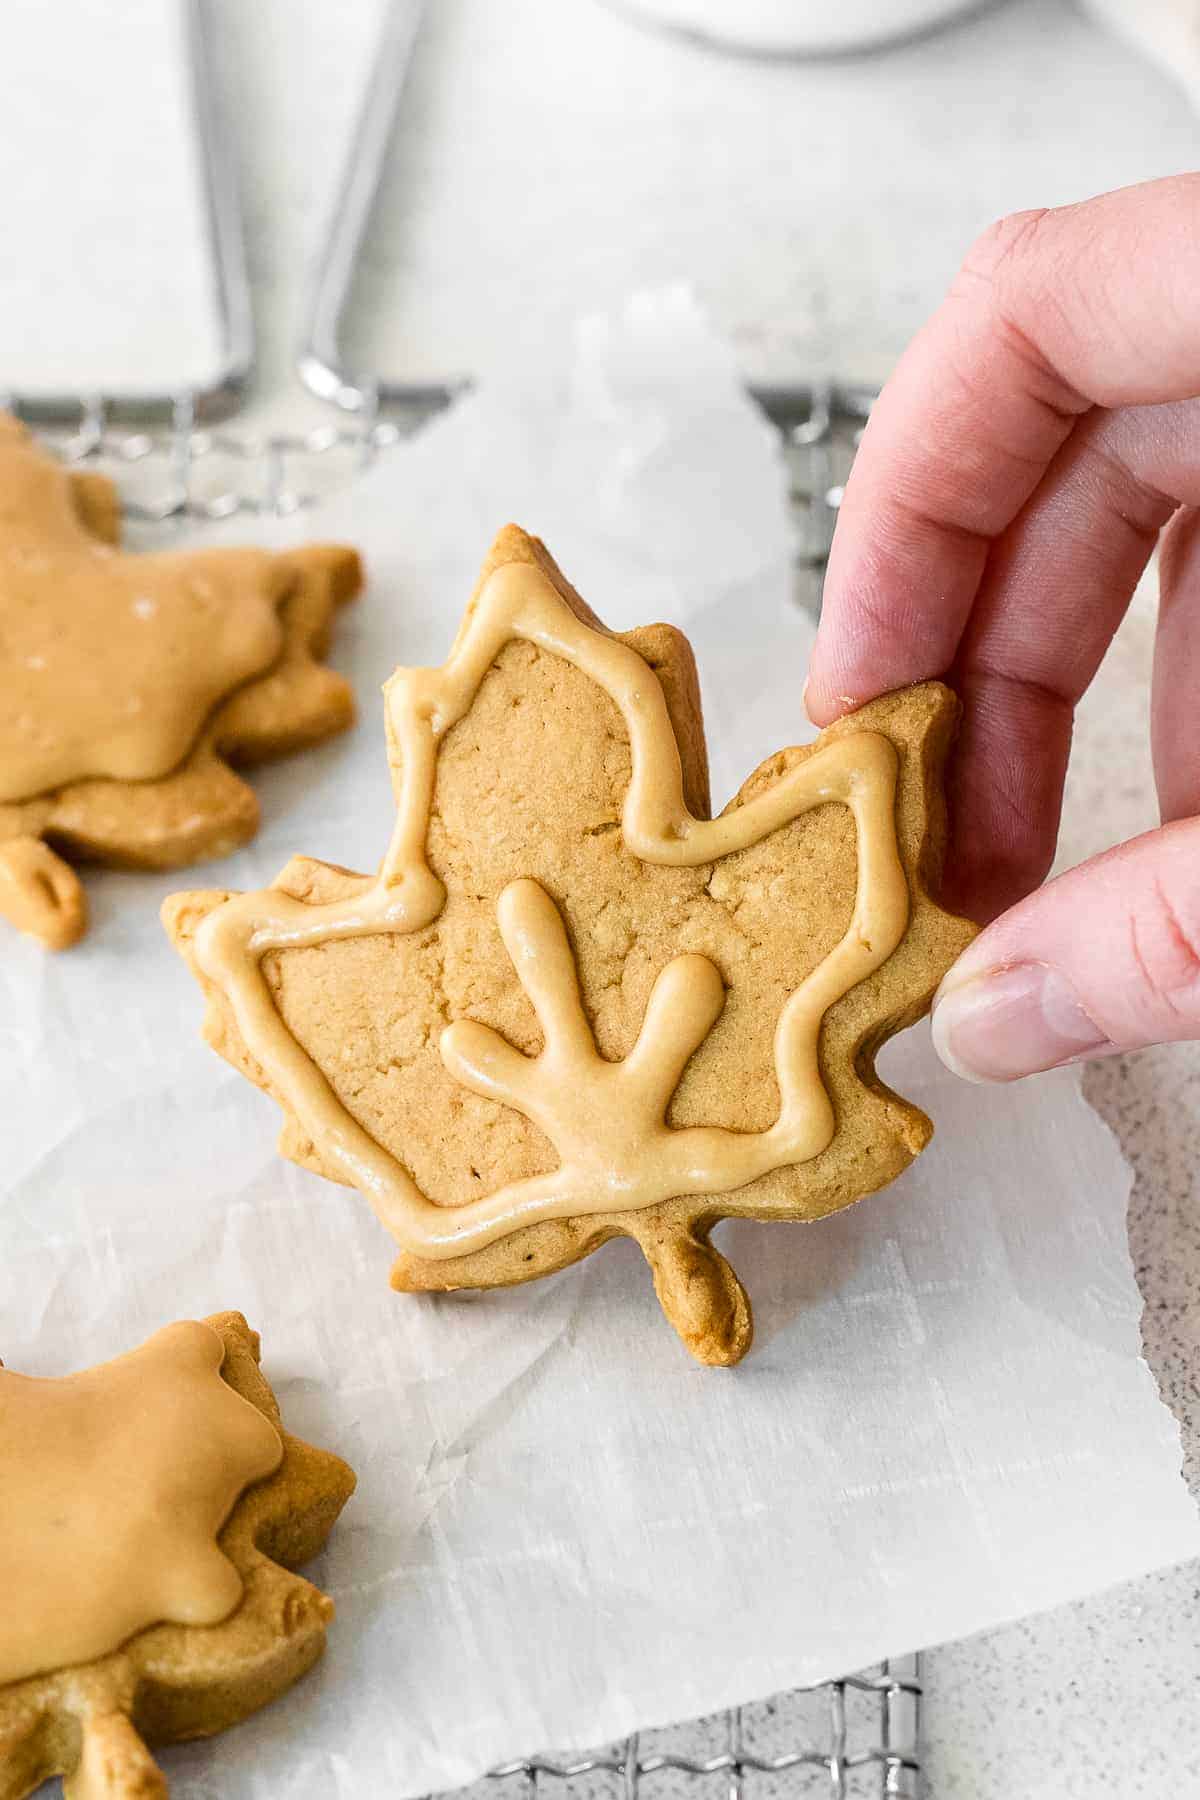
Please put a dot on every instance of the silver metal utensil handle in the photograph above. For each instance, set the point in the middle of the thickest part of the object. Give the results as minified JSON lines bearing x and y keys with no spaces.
{"x":322,"y":363}
{"x":222,"y":395}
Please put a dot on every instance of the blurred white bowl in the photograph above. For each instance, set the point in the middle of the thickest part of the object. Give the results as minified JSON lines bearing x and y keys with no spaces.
{"x":796,"y":27}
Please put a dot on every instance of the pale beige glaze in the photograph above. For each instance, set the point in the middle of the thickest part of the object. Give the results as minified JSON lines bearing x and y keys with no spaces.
{"x":113,"y":1486}
{"x":111,"y":662}
{"x":607,"y":1120}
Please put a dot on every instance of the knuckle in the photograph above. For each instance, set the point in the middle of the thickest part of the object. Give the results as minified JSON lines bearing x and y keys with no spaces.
{"x":1165,"y":946}
{"x":1177,"y":551}
{"x":1010,"y":286}
{"x":1126,"y":495}
{"x":1004,"y":242}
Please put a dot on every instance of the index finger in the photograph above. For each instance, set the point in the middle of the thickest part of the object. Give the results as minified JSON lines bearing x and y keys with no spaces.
{"x":1052,"y":313}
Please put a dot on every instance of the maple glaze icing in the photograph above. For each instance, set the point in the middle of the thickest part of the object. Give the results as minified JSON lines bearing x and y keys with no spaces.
{"x":113,"y":1485}
{"x":607,"y":1120}
{"x":109,"y":662}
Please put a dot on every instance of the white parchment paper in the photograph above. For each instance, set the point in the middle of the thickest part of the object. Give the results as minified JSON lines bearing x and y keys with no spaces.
{"x":564,"y":1528}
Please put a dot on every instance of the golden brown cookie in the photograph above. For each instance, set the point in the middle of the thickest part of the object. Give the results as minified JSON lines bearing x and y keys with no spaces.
{"x":129,"y":683}
{"x":158,"y":1487}
{"x":569,"y":1007}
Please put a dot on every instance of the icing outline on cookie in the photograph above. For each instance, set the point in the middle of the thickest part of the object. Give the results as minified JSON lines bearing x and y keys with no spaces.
{"x":858,"y":770}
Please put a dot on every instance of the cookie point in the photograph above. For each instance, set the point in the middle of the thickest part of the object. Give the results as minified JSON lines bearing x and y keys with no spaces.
{"x":701,"y":1296}
{"x":41,"y":894}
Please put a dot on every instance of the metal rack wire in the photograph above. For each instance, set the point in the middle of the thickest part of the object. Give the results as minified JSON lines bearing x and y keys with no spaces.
{"x":856,"y":1739}
{"x":188,"y":471}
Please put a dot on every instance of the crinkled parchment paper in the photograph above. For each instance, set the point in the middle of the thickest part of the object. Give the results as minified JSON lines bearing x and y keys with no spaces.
{"x":564,"y":1528}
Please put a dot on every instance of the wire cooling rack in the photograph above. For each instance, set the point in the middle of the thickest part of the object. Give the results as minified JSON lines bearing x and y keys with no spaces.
{"x":855,"y":1739}
{"x":186,"y":471}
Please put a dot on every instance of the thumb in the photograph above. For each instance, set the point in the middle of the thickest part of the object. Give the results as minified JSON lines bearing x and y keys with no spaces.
{"x":1105,"y":958}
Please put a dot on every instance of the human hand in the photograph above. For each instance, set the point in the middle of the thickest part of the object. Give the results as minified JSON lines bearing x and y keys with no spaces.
{"x":1038,"y":435}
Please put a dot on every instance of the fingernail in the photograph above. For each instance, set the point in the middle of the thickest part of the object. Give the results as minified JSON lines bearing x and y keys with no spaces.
{"x":1012,"y":1022}
{"x":804,"y":697}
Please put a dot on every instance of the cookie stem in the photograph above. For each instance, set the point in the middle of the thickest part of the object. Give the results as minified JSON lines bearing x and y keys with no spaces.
{"x":114,"y":1763}
{"x":701,"y":1296}
{"x":41,"y":893}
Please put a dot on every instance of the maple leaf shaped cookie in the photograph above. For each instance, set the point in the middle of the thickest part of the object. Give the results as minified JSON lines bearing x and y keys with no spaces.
{"x":569,"y":1006}
{"x":114,"y":1486}
{"x":129,"y":683}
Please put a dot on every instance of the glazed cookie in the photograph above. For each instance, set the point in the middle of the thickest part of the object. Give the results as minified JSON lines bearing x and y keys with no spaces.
{"x":129,"y":683}
{"x":150,"y":1510}
{"x":570,"y":1006}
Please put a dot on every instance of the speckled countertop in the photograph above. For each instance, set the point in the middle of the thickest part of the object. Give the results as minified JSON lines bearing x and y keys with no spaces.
{"x":1100,"y":1697}
{"x":819,"y":210}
